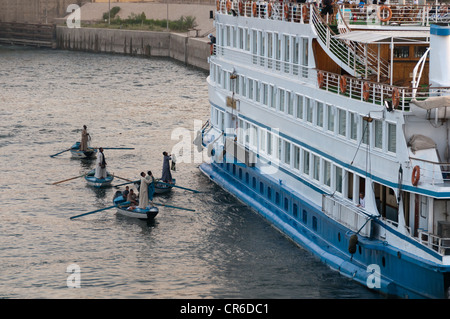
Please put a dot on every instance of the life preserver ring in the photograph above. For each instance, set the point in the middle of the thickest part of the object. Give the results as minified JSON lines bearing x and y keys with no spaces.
{"x":304,"y":12}
{"x":254,"y":9}
{"x":269,"y":10}
{"x":415,"y":175}
{"x":286,"y":11}
{"x":343,"y":84}
{"x":382,"y":9}
{"x":241,"y":8}
{"x":320,"y":79}
{"x":218,"y":5}
{"x":228,"y":5}
{"x":366,"y":91}
{"x":395,"y":98}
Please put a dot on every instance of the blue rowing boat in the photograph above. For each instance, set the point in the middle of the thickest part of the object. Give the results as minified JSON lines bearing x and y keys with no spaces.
{"x":128,"y":210}
{"x":98,"y":182}
{"x":77,"y":153}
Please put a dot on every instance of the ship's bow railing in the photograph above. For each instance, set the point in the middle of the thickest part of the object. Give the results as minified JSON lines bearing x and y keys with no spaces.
{"x":347,"y":214}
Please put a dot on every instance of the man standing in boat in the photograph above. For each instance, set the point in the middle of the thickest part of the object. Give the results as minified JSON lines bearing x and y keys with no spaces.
{"x":143,"y":190}
{"x":100,"y":166}
{"x":166,"y":174}
{"x":84,"y":139}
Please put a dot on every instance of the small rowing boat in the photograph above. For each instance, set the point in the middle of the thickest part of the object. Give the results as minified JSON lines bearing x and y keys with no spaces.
{"x":98,"y":182}
{"x":148,"y":213}
{"x":77,"y":153}
{"x":162,"y":188}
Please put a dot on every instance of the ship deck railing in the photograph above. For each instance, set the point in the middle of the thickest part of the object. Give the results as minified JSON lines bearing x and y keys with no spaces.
{"x":433,"y":173}
{"x":347,"y":214}
{"x":394,"y":14}
{"x":357,"y":220}
{"x":385,"y":95}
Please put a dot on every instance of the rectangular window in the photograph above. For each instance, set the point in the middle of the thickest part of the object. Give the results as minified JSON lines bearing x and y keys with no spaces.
{"x":392,"y":138}
{"x":338,"y":179}
{"x":251,"y":92}
{"x":244,"y":86}
{"x":378,"y":128}
{"x":290,"y":103}
{"x":316,"y":167}
{"x":342,"y":117}
{"x":354,"y":126}
{"x":281,"y":99}
{"x":257,"y":92}
{"x":287,"y":152}
{"x":265,"y":92}
{"x":262,"y":139}
{"x":273,"y":97}
{"x":241,"y":132}
{"x":296,"y":157}
{"x":309,"y":109}
{"x":365,"y":132}
{"x":319,"y":118}
{"x":327,"y":173}
{"x":241,"y":38}
{"x":299,"y":106}
{"x":306,"y":162}
{"x":247,"y":40}
{"x":330,"y":117}
{"x":269,"y":143}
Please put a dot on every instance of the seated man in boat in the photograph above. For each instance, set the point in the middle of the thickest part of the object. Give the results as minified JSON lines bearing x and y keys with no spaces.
{"x":131,"y":197}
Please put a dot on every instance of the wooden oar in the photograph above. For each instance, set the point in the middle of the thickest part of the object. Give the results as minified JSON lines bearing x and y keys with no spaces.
{"x":115,"y":148}
{"x":60,"y":152}
{"x":125,"y":179}
{"x":177,"y":207}
{"x":126,"y":183}
{"x":188,"y":189}
{"x":69,"y":179}
{"x":98,"y":210}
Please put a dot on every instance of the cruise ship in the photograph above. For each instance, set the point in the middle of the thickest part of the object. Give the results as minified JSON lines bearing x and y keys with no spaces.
{"x":331,"y":122}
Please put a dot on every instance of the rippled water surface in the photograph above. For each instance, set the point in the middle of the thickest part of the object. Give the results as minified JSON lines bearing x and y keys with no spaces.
{"x":222,"y":250}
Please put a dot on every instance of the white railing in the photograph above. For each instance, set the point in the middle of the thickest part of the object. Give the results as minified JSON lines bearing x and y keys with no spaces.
{"x":348,"y":215}
{"x":400,"y":14}
{"x":374,"y":92}
{"x":437,"y":243}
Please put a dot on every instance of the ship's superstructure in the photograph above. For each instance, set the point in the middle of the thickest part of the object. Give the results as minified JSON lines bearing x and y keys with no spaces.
{"x":334,"y":127}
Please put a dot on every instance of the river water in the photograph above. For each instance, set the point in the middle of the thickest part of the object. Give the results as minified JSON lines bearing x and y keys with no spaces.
{"x":222,"y":250}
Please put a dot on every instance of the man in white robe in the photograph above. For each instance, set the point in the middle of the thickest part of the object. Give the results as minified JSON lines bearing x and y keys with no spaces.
{"x":100,"y":165}
{"x":143,"y":190}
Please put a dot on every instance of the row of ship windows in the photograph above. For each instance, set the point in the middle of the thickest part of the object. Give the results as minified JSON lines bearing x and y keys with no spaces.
{"x":272,"y":195}
{"x":282,"y":47}
{"x":380,"y":134}
{"x":298,"y":160}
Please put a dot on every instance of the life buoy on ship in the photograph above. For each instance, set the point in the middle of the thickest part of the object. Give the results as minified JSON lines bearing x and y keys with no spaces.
{"x":389,"y":16}
{"x":269,"y":10}
{"x":415,"y":175}
{"x":366,"y":91}
{"x":241,"y":8}
{"x":254,"y":9}
{"x":343,"y":84}
{"x":395,"y":98}
{"x":286,"y":11}
{"x":320,"y":79}
{"x":304,"y":12}
{"x":228,"y":5}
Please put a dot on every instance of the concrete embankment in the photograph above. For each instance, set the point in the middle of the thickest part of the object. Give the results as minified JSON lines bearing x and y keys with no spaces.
{"x":190,"y":51}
